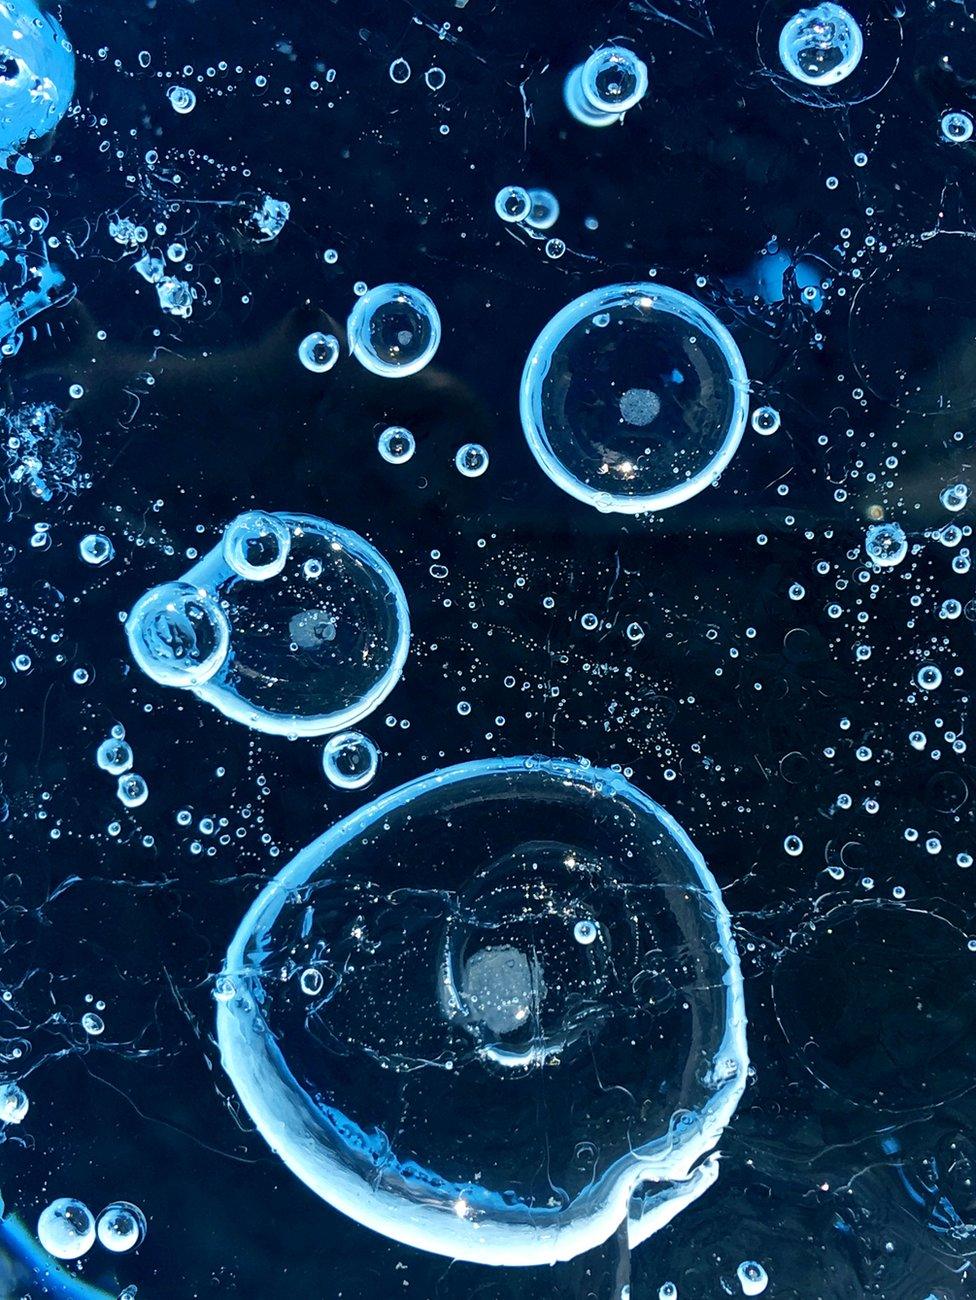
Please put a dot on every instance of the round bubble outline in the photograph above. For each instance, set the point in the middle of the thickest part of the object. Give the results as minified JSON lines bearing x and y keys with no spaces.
{"x":536,"y":368}
{"x":357,"y":328}
{"x":212,"y":571}
{"x":326,"y":1166}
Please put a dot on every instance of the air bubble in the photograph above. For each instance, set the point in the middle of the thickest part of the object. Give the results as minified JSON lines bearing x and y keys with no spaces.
{"x":640,"y":412}
{"x":66,"y":1229}
{"x":305,"y":652}
{"x":350,"y":760}
{"x":886,"y":544}
{"x":396,"y":445}
{"x":821,"y":46}
{"x":471,"y":460}
{"x":319,"y":352}
{"x":452,"y":905}
{"x":394,"y":330}
{"x":120,"y":1227}
{"x":96,"y":549}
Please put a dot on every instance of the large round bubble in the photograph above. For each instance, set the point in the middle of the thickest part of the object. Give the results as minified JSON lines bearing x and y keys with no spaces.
{"x":821,"y":46}
{"x":37,"y":74}
{"x":634,"y":398}
{"x":394,"y":330}
{"x":311,"y":648}
{"x":494,"y":1014}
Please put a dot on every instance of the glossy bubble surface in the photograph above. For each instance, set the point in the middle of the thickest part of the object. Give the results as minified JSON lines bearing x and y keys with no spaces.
{"x":821,"y":46}
{"x":394,"y":330}
{"x":311,"y":650}
{"x":37,"y":74}
{"x":613,"y":79}
{"x":634,"y":398}
{"x":494,"y":946}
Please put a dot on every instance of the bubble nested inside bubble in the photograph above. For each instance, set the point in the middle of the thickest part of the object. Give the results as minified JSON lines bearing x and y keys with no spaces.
{"x":527,"y":1012}
{"x":312,"y":649}
{"x":394,"y":330}
{"x":634,"y":398}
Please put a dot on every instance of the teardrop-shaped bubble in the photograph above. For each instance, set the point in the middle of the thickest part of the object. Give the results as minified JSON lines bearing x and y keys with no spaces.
{"x":37,"y":74}
{"x":634,"y":398}
{"x":178,"y":634}
{"x":310,"y":650}
{"x":494,"y":1014}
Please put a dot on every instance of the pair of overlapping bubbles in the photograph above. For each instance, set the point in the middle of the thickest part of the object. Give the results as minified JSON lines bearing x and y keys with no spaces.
{"x":634,"y":398}
{"x":292,"y":625}
{"x":495,"y":1014}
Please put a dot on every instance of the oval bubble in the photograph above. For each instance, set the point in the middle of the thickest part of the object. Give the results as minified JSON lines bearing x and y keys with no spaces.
{"x":519,"y":961}
{"x":580,"y":107}
{"x":312,"y":650}
{"x":394,"y":330}
{"x":37,"y":74}
{"x":178,"y":634}
{"x":634,"y":398}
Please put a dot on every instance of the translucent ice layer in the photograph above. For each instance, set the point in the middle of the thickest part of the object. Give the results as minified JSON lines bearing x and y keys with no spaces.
{"x":292,"y":625}
{"x":494,"y":1014}
{"x":634,"y":398}
{"x":37,"y":74}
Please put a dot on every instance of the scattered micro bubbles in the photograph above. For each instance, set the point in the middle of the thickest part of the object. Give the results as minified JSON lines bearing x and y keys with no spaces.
{"x":821,"y":46}
{"x":513,"y":203}
{"x":96,"y":549}
{"x":66,"y":1229}
{"x":957,"y":127}
{"x":350,"y":760}
{"x":886,"y":544}
{"x":471,"y":460}
{"x":318,"y":352}
{"x":120,"y":1227}
{"x":394,"y":330}
{"x":765,"y":420}
{"x":634,"y":398}
{"x":396,"y":445}
{"x":37,"y":76}
{"x":483,"y":932}
{"x":290,"y":625}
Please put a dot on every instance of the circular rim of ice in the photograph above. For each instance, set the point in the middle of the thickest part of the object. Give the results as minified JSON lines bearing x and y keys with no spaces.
{"x":423,"y":1212}
{"x":536,"y":368}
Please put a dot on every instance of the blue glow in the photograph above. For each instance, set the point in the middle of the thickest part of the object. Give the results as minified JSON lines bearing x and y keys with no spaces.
{"x":821,"y":46}
{"x":634,"y":398}
{"x":394,"y":330}
{"x":37,"y":75}
{"x":395,"y":999}
{"x":311,"y":649}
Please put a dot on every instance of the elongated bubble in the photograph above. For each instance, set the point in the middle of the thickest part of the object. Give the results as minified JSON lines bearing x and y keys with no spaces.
{"x":634,"y":398}
{"x":291,"y":625}
{"x":494,"y":1014}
